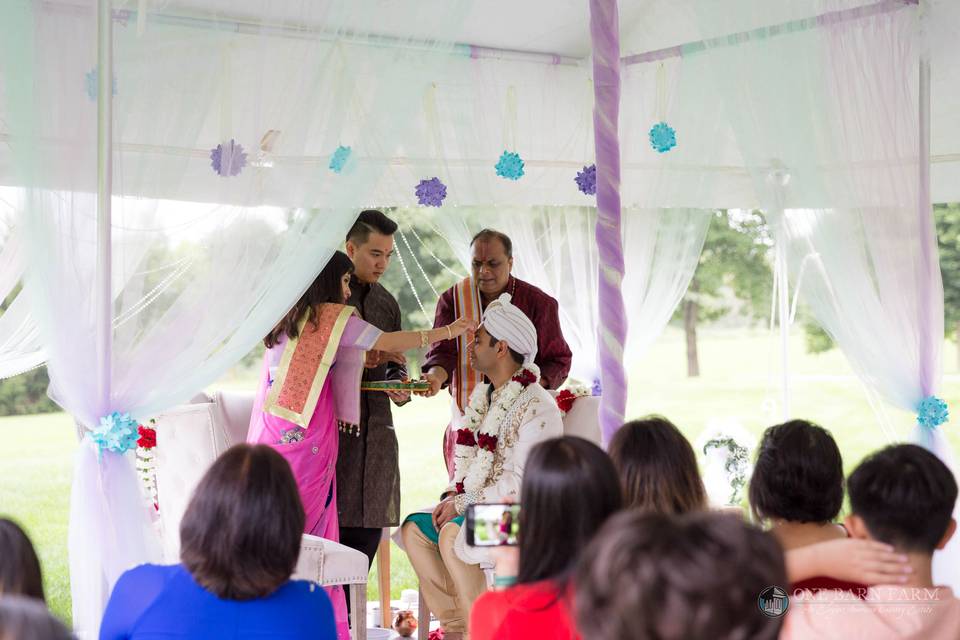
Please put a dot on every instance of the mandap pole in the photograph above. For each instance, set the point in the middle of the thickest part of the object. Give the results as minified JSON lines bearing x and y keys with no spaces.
{"x":103,"y":285}
{"x":612,"y":332}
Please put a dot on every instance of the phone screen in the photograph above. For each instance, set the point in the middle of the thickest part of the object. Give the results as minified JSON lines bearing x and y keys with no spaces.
{"x":493,"y":525}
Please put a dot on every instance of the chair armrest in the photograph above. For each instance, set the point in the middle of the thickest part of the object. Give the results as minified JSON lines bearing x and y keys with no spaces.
{"x":330,"y":563}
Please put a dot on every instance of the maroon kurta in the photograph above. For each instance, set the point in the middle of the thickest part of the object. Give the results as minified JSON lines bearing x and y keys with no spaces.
{"x":553,"y":353}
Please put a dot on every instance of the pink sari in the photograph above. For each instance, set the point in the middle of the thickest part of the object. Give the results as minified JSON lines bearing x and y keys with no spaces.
{"x":309,"y":387}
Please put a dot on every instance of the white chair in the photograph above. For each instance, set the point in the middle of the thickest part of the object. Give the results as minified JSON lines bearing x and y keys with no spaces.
{"x":189,"y":439}
{"x":582,"y":420}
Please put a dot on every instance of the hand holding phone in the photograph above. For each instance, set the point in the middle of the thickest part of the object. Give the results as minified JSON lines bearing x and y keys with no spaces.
{"x":493,"y":525}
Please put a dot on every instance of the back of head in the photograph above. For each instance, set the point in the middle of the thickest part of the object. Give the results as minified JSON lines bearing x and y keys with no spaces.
{"x":569,"y":490}
{"x":657,"y":467}
{"x":905,"y":496}
{"x":19,"y":565}
{"x":650,"y":576}
{"x":370,"y":221}
{"x":23,"y":618}
{"x":798,"y":476}
{"x":240,"y":535}
{"x":325,"y":288}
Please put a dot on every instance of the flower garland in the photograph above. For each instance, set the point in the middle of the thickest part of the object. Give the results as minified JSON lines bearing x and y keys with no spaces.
{"x":146,"y":465}
{"x":477,"y":439}
{"x":567,"y":397}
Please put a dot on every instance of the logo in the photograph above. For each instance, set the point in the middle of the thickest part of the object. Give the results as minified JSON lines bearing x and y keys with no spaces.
{"x":773,"y":602}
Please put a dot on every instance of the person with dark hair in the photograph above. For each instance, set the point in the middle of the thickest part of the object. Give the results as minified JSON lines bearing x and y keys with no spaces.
{"x":239,"y":542}
{"x":27,"y":618}
{"x":569,"y":490}
{"x":310,"y":387}
{"x":448,"y":362}
{"x":368,"y":466}
{"x":797,"y":487}
{"x":654,"y":576}
{"x":903,"y":496}
{"x":657,"y":467}
{"x":19,"y":565}
{"x":505,"y":420}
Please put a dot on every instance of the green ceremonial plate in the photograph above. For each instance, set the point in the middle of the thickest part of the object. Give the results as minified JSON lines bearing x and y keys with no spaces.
{"x":395,"y":385}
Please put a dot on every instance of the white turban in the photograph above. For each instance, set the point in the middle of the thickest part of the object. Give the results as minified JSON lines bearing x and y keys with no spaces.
{"x":506,"y":322}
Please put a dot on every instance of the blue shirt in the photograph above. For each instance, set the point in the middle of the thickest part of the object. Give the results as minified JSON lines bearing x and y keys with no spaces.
{"x":153,"y":601}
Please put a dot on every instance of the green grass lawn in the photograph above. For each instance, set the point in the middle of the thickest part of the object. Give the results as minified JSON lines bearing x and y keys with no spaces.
{"x":740,"y":382}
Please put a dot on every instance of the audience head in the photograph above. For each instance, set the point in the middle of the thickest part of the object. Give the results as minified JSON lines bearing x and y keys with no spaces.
{"x":19,"y":565}
{"x":903,"y":495}
{"x":492,"y":261}
{"x":23,"y":618}
{"x":798,"y":476}
{"x":370,"y":244}
{"x":240,"y":535}
{"x":332,"y":284}
{"x":651,"y":576}
{"x":569,"y":490}
{"x":657,"y":467}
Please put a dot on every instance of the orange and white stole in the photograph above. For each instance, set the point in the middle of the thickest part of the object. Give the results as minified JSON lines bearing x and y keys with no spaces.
{"x":304,"y":367}
{"x":466,"y":303}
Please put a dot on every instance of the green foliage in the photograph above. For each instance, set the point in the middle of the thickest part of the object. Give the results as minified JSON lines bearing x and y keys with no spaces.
{"x":26,"y":393}
{"x":947,"y":217}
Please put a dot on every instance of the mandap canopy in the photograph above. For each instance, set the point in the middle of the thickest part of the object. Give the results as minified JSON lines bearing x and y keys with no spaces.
{"x":174,"y":172}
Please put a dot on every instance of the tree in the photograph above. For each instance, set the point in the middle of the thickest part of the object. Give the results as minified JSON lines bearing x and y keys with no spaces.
{"x":735,"y":260}
{"x":947,"y":217}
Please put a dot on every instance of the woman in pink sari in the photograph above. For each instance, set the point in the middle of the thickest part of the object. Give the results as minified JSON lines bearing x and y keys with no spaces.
{"x":310,"y":387}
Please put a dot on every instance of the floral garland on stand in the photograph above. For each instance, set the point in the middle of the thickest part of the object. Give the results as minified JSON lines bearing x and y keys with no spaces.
{"x":146,"y":466}
{"x":477,"y":439}
{"x":568,"y":396}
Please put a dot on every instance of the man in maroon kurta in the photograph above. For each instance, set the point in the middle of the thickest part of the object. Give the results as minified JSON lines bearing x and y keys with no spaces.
{"x":491,"y":267}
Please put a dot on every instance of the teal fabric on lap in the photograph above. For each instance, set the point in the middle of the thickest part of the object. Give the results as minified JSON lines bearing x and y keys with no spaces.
{"x":424,"y":522}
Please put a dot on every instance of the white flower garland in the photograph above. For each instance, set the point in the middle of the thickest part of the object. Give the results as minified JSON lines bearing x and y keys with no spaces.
{"x":473,"y":464}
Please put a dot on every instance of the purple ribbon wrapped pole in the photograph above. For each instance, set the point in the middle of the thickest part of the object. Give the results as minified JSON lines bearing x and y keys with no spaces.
{"x":612,"y":332}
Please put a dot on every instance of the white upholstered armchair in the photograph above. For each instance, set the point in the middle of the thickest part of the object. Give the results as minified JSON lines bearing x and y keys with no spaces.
{"x":189,"y":439}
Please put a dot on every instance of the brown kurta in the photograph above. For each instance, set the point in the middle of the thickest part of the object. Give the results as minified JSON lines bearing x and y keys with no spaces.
{"x":368,"y":470}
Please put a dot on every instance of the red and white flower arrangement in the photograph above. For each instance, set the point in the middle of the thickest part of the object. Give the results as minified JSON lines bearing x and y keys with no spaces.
{"x":477,"y":438}
{"x":568,"y":396}
{"x":146,"y":466}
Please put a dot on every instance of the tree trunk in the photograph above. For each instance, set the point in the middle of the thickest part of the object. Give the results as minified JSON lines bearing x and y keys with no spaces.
{"x":690,"y":312}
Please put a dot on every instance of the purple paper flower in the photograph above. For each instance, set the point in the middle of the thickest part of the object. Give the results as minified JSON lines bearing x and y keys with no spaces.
{"x":228,"y":159}
{"x":510,"y":166}
{"x":93,"y":77}
{"x":596,"y":389}
{"x":662,"y":137}
{"x":431,"y":192}
{"x":339,"y":159}
{"x":587,"y":180}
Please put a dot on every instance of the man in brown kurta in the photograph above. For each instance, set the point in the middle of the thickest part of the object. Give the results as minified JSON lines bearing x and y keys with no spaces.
{"x":491,"y":275}
{"x":368,"y":472}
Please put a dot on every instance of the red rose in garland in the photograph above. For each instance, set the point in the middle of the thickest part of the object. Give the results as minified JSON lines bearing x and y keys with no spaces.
{"x":465,"y":437}
{"x":525,"y":377}
{"x":487,"y":442}
{"x":565,"y":400}
{"x":148,"y":437}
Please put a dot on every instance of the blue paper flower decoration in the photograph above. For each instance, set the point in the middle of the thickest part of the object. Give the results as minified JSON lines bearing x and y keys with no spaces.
{"x":93,"y":77}
{"x":228,"y":159}
{"x":339,"y":159}
{"x":431,"y":192}
{"x":587,"y":180}
{"x":663,"y":137}
{"x":117,"y":433}
{"x":510,"y":166}
{"x":932,"y":412}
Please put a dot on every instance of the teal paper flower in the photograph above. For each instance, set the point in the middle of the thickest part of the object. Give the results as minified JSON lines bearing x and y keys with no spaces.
{"x":510,"y":166}
{"x":339,"y":159}
{"x":662,"y":137}
{"x":932,"y":412}
{"x":117,"y":433}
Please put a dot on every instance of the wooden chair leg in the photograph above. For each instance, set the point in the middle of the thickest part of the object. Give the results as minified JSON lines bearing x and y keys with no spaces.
{"x":423,"y":617}
{"x":383,"y":580}
{"x":358,"y":611}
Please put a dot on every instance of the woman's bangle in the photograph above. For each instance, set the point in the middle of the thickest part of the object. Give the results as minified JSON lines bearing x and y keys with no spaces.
{"x":449,"y":333}
{"x":504,"y":581}
{"x":423,"y":339}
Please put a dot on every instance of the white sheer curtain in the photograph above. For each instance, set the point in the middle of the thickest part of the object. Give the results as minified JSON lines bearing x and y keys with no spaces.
{"x":204,"y":261}
{"x":20,"y":347}
{"x":827,"y":121}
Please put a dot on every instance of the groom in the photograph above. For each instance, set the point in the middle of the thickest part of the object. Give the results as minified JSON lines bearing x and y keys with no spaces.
{"x":503,"y":421}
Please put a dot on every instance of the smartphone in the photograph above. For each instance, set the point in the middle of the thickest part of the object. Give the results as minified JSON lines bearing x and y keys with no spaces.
{"x":493,"y":525}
